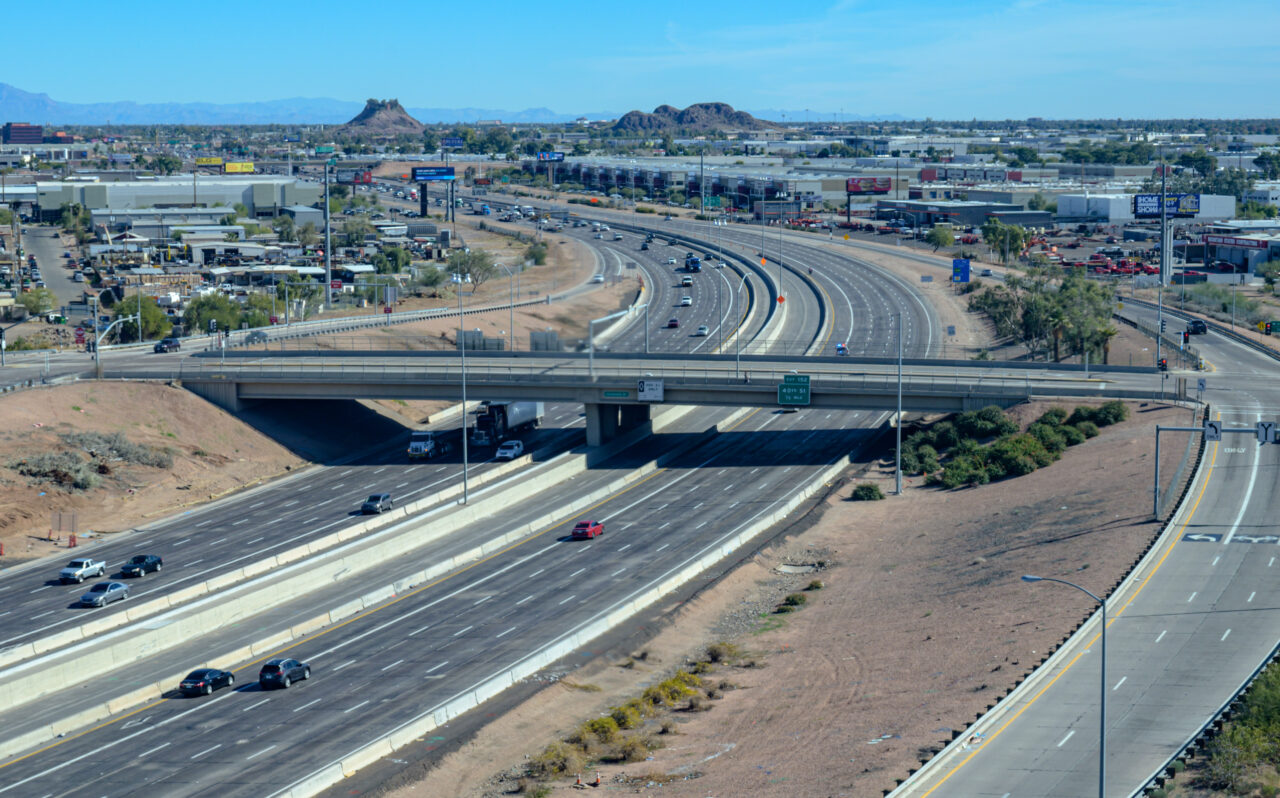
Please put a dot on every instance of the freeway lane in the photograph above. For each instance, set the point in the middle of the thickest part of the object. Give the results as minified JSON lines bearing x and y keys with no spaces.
{"x":1179,"y":643}
{"x":440,"y":640}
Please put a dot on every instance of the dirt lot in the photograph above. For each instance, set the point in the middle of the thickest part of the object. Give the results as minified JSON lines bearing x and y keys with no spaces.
{"x":921,"y":624}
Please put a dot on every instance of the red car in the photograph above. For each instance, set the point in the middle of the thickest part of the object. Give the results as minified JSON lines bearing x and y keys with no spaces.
{"x":673,"y":323}
{"x":585,"y":530}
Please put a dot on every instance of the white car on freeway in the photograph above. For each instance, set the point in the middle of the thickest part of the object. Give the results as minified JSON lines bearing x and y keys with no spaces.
{"x":509,"y":450}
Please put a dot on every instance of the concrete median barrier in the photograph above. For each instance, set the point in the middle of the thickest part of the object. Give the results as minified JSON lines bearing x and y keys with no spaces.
{"x":30,"y":680}
{"x":623,"y":610}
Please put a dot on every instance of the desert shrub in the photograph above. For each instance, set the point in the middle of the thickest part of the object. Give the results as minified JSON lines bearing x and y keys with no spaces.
{"x":796,"y":599}
{"x":626,"y":717}
{"x":603,"y":729}
{"x":1050,"y":438}
{"x":556,"y":760}
{"x":783,"y":609}
{"x":1054,"y":417}
{"x":1020,"y":454}
{"x":1089,"y":429}
{"x":816,"y":584}
{"x":927,"y":458}
{"x":698,"y":704}
{"x":943,"y":435}
{"x":66,"y":469}
{"x":867,"y":492}
{"x":117,"y":447}
{"x":1112,"y":412}
{"x":634,"y":749}
{"x":702,"y":667}
{"x":985,"y":423}
{"x":721,"y":652}
{"x":1073,"y":435}
{"x":668,"y":727}
{"x":910,"y":461}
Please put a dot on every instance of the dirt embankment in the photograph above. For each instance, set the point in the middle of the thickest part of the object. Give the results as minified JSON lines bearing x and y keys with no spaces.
{"x":922,"y":622}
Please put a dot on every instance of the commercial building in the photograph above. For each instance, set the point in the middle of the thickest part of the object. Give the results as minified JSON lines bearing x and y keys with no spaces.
{"x":1264,"y":193}
{"x":961,"y":213}
{"x":1118,"y":208}
{"x":1249,"y":251}
{"x":22,"y":133}
{"x":264,"y":195}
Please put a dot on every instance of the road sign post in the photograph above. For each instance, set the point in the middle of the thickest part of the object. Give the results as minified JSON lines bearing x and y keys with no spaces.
{"x":794,"y":390}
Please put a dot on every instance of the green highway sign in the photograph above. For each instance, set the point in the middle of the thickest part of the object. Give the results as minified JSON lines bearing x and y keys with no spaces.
{"x":794,"y":390}
{"x":617,"y":394}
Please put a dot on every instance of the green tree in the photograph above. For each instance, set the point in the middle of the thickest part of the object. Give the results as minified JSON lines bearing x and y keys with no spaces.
{"x":241,"y":209}
{"x":476,"y":262}
{"x":381,"y":264}
{"x":354,"y":231}
{"x":1255,"y":210}
{"x":399,"y":258}
{"x":430,"y":140}
{"x":307,"y":235}
{"x":1201,"y":161}
{"x":165,"y":164}
{"x":1270,"y":271}
{"x":40,"y":300}
{"x":155,"y":322}
{"x":6,"y":217}
{"x":1006,"y":240}
{"x":219,"y":307}
{"x":939,"y":236}
{"x":285,"y":227}
{"x":1268,"y":162}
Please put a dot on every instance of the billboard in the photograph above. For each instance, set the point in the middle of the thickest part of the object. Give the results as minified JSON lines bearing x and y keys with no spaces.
{"x":453,"y":141}
{"x":868,"y":185}
{"x":324,"y":149}
{"x":354,"y":176}
{"x":1147,"y":206}
{"x":208,"y":162}
{"x":237,"y":168}
{"x":551,"y":156}
{"x":423,"y":174}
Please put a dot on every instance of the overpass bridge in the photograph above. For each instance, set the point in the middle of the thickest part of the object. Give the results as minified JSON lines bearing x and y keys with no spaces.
{"x":612,"y":387}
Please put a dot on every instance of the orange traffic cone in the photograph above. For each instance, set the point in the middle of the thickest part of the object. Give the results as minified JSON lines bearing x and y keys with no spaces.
{"x":596,"y":783}
{"x":578,"y":783}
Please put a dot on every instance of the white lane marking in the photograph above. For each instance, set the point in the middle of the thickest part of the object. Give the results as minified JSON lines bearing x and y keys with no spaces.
{"x":584,"y":548}
{"x":401,"y":485}
{"x":151,"y":751}
{"x":735,"y":504}
{"x":615,"y":573}
{"x":1224,"y":635}
{"x":1189,"y":598}
{"x":523,"y":600}
{"x":663,"y":546}
{"x":194,"y":562}
{"x":203,"y":523}
{"x":206,"y":751}
{"x":1250,"y":599}
{"x":1215,"y":560}
{"x":256,"y":505}
{"x":315,"y":518}
{"x":437,"y":667}
{"x":699,"y":504}
{"x":571,"y":598}
{"x":415,"y":631}
{"x":1162,"y":634}
{"x":219,"y":540}
{"x":665,"y":525}
{"x":700,"y":526}
{"x":509,"y":631}
{"x":461,"y":631}
{"x":340,"y":484}
{"x":535,"y":573}
{"x":483,"y":600}
{"x":37,"y":590}
{"x":258,"y":704}
{"x":41,"y":615}
{"x":308,"y":704}
{"x":624,"y":548}
{"x":289,"y":503}
{"x":1269,"y":562}
{"x":258,"y":540}
{"x":241,"y":521}
{"x":575,"y":573}
{"x":259,"y":753}
{"x":343,"y":665}
{"x":380,"y":470}
{"x":754,"y":470}
{"x":322,"y":504}
{"x":626,"y":525}
{"x":353,"y":709}
{"x":184,"y":540}
{"x":1248,"y":493}
{"x":392,"y":665}
{"x":1117,"y":687}
{"x":1068,"y":737}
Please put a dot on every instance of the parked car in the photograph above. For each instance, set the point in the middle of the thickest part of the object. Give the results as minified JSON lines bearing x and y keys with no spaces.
{"x":256,"y":337}
{"x":142,"y":564}
{"x":585,"y":530}
{"x":282,"y":673}
{"x":205,"y":680}
{"x":103,"y":593}
{"x":673,"y":324}
{"x":1197,"y":327}
{"x":702,"y":330}
{"x":376,"y":503}
{"x":509,"y":450}
{"x":168,"y":345}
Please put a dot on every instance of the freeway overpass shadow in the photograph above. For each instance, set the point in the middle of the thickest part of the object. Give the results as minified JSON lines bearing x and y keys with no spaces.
{"x":328,"y":431}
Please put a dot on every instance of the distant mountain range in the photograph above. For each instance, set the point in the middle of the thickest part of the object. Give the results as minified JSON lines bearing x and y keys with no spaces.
{"x":17,"y":105}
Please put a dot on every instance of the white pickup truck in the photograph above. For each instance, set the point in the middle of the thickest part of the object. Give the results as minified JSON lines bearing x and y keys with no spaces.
{"x":81,"y":569}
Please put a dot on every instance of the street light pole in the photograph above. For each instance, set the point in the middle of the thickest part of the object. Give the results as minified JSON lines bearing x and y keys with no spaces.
{"x":458,"y":280}
{"x":897,"y":465}
{"x":1102,"y":724}
{"x":511,"y":306}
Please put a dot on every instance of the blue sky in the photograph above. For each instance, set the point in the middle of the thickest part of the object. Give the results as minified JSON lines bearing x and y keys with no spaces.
{"x":959,"y":59}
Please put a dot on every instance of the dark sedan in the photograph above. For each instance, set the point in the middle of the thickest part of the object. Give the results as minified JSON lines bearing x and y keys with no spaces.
{"x":142,"y":564}
{"x":282,"y":673}
{"x":205,"y":680}
{"x":168,"y":345}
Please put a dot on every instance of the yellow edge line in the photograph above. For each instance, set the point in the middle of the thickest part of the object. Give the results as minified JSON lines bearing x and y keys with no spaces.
{"x":1112,"y":619}
{"x":367,"y":613}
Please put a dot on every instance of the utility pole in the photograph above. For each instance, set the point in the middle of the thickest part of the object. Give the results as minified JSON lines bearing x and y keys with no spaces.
{"x":1164,"y":260}
{"x":328,"y":249}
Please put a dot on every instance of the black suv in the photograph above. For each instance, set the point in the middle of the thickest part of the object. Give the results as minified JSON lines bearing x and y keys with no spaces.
{"x":168,"y":345}
{"x":282,"y":673}
{"x":1197,"y":327}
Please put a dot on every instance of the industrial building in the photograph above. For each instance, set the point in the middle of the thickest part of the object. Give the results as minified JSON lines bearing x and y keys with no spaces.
{"x":264,"y":195}
{"x":963,"y":213}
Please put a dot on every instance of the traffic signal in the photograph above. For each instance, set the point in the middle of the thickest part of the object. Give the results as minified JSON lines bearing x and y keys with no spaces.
{"x":1164,"y":364}
{"x":1186,"y":337}
{"x":1163,"y":324}
{"x":213,"y":325}
{"x":1268,"y":330}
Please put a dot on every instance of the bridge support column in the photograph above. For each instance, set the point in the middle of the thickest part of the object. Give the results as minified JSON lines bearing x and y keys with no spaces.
{"x":602,"y":423}
{"x":634,"y":417}
{"x":223,"y":394}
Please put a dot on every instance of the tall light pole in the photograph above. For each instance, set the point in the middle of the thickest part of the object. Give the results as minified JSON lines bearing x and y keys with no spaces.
{"x":1102,"y":724}
{"x":328,"y":253}
{"x":459,"y":280}
{"x":897,"y":457}
{"x":511,"y":304}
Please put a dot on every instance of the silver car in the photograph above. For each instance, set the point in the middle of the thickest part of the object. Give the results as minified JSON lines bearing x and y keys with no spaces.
{"x":103,"y":593}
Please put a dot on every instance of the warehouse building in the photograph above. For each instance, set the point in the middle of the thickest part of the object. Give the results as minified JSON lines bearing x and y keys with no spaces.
{"x":1118,"y":208}
{"x":962,"y":213}
{"x":264,"y":195}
